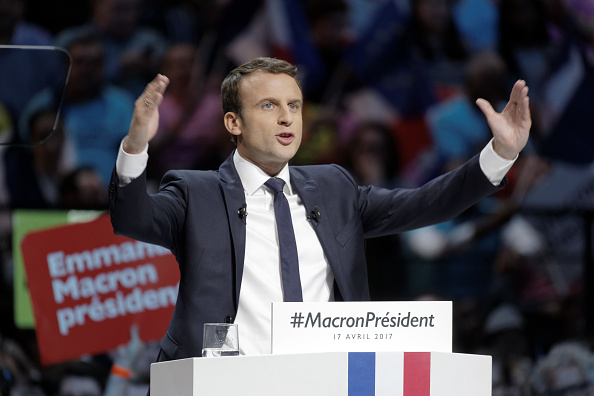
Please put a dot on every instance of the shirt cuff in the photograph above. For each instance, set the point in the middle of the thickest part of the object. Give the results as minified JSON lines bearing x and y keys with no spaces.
{"x":493,"y":165}
{"x":130,"y":166}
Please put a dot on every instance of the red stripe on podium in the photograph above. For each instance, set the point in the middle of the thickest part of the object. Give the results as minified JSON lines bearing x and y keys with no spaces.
{"x":417,"y":374}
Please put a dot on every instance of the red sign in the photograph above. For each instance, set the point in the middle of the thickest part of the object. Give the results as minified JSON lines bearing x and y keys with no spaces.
{"x":89,"y":286}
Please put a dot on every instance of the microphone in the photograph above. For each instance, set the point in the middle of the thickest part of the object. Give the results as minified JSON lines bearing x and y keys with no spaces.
{"x":315,"y":214}
{"x":242,"y":212}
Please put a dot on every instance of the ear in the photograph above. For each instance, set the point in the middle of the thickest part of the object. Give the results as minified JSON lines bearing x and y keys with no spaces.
{"x":233,"y":123}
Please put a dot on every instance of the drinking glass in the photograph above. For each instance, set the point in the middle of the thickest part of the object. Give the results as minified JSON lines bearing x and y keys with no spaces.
{"x":220,"y":339}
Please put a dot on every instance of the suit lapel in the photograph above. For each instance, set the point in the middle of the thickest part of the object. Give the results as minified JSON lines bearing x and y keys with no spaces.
{"x":312,"y":197}
{"x":234,"y":197}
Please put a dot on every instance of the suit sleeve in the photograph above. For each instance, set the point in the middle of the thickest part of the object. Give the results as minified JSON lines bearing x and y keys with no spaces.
{"x":385,"y":212}
{"x":152,"y":218}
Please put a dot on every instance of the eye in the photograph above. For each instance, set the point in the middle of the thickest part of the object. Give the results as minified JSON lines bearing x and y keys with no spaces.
{"x":294,"y":106}
{"x":267,"y":106}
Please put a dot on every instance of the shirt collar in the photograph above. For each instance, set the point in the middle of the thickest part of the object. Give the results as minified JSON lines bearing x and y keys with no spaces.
{"x":252,"y":177}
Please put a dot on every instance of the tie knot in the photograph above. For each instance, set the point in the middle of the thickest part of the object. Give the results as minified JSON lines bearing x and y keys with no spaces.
{"x":275,"y":184}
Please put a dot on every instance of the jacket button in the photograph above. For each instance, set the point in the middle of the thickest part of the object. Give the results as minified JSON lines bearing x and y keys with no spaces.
{"x":228,"y":319}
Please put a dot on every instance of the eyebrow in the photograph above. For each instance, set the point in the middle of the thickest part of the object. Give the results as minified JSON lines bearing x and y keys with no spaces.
{"x":275,"y":100}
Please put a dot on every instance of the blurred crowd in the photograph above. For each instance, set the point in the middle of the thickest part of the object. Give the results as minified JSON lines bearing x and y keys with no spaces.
{"x":389,"y":87}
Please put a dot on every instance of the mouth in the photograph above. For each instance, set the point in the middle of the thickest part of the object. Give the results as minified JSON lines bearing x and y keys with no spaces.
{"x":285,"y":137}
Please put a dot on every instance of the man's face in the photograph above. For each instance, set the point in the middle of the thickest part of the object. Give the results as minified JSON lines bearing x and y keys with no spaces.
{"x":86,"y":74}
{"x":269,"y":134}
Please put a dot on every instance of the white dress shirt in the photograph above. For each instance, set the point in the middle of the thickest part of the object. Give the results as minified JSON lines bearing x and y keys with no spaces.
{"x":261,"y":282}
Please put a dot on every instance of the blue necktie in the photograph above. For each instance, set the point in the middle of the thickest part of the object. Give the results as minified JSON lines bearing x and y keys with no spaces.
{"x":286,"y":242}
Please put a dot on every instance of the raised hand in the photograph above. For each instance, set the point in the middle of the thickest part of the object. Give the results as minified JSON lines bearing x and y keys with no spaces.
{"x":145,"y":120}
{"x":511,"y":127}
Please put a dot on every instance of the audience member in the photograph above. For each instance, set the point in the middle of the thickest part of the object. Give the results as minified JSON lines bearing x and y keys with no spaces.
{"x":14,"y":30}
{"x":383,"y":60}
{"x":372,"y":158}
{"x":323,"y":140}
{"x":190,"y":134}
{"x":19,"y":66}
{"x":412,"y":58}
{"x":457,"y":126}
{"x":82,"y":189}
{"x":507,"y":342}
{"x":330,"y":38}
{"x":359,"y":14}
{"x":33,"y":173}
{"x":468,"y":316}
{"x":95,"y":113}
{"x":437,"y":45}
{"x":311,"y":34}
{"x":192,"y":21}
{"x":477,"y":22}
{"x":456,"y":130}
{"x":18,"y":374}
{"x":130,"y":371}
{"x":564,"y":112}
{"x":211,"y":25}
{"x":78,"y":378}
{"x":131,"y":51}
{"x":525,"y":43}
{"x":568,"y":369}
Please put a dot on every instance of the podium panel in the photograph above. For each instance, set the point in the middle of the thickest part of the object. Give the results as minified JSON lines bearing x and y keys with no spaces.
{"x":326,"y":374}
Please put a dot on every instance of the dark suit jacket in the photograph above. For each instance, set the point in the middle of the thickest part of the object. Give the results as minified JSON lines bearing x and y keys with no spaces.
{"x":195,"y":214}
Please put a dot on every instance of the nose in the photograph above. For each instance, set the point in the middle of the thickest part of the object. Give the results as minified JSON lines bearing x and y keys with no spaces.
{"x":285,"y":117}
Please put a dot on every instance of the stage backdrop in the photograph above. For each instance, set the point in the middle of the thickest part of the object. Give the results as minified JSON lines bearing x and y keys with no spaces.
{"x":89,"y":286}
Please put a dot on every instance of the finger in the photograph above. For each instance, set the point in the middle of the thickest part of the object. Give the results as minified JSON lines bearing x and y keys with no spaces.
{"x":486,"y":108}
{"x":526,"y":109}
{"x":516,"y":99}
{"x":525,"y":97}
{"x":158,"y":84}
{"x":520,"y":102}
{"x":518,"y":93}
{"x":153,"y":93}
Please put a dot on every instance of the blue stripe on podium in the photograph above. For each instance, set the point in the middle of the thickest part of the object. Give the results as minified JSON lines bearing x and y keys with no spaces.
{"x":361,"y":373}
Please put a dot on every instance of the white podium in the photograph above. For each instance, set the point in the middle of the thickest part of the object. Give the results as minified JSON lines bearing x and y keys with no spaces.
{"x":326,"y":374}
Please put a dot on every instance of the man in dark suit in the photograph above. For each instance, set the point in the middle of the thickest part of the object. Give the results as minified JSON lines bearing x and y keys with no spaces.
{"x":229,"y":261}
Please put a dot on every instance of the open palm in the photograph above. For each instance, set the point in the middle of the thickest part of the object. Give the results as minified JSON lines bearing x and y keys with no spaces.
{"x":511,"y":127}
{"x":145,"y":119}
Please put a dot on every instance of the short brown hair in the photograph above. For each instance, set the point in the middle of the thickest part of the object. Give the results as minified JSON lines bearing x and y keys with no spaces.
{"x":230,"y":94}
